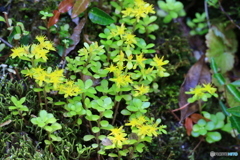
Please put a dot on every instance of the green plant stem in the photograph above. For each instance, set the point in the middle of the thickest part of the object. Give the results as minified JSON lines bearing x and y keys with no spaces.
{"x":45,"y":98}
{"x":200,"y":106}
{"x":98,"y":134}
{"x":84,"y":106}
{"x":119,"y":155}
{"x":207,"y":15}
{"x":116,"y":111}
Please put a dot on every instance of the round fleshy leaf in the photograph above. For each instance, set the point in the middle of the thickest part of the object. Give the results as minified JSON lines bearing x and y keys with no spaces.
{"x":104,"y":123}
{"x":206,"y":114}
{"x":219,"y":125}
{"x":195,"y":134}
{"x":95,"y":129}
{"x":201,"y":122}
{"x":215,"y":136}
{"x":210,"y":126}
{"x":220,"y":116}
{"x":88,"y":137}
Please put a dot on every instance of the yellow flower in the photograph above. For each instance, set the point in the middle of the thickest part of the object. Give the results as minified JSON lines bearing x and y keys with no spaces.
{"x":56,"y":78}
{"x":139,"y":10}
{"x":118,"y":136}
{"x":140,"y":90}
{"x":20,"y":51}
{"x":134,"y":122}
{"x":127,"y":12}
{"x":130,"y":39}
{"x":41,"y":38}
{"x":69,"y":88}
{"x":39,"y":52}
{"x":112,"y":68}
{"x":142,"y":119}
{"x":159,"y":63}
{"x":116,"y":131}
{"x":120,"y":30}
{"x":121,"y":80}
{"x":208,"y":88}
{"x":44,"y":43}
{"x":139,"y":60}
{"x":198,"y":91}
{"x":143,"y":130}
{"x":118,"y":139}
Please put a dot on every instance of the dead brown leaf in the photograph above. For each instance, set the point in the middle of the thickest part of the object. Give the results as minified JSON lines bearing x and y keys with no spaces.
{"x":75,"y":36}
{"x":198,"y":74}
{"x":79,"y":7}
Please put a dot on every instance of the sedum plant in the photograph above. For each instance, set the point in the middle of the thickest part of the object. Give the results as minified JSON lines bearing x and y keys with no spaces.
{"x":105,"y":79}
{"x":208,"y":127}
{"x":48,"y":122}
{"x":198,"y":24}
{"x":202,"y":93}
{"x":170,"y":10}
{"x":18,"y":108}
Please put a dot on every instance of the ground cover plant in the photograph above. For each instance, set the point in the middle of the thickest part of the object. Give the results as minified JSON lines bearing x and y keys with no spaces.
{"x":129,"y":79}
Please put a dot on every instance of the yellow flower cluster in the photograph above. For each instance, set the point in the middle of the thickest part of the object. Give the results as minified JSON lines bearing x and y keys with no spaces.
{"x":140,"y":10}
{"x":202,"y":92}
{"x":140,"y":90}
{"x":158,"y":63}
{"x":117,"y":136}
{"x":56,"y":79}
{"x":125,"y":35}
{"x":34,"y":51}
{"x":144,"y":127}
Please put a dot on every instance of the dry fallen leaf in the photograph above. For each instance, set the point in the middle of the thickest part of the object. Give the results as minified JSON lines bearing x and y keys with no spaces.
{"x":198,"y":74}
{"x":75,"y":36}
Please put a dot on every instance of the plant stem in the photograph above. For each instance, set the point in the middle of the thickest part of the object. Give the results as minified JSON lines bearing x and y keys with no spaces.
{"x":45,"y":98}
{"x":115,"y":112}
{"x":181,"y":107}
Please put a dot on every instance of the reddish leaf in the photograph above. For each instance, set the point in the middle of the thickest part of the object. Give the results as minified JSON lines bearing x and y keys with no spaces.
{"x":54,"y":19}
{"x":188,"y":125}
{"x":198,"y":74}
{"x":65,"y":6}
{"x":79,"y":7}
{"x":195,"y":117}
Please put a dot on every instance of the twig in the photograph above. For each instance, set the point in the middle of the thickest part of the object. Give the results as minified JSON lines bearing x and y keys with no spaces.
{"x":8,"y":44}
{"x":207,"y":15}
{"x":201,"y":140}
{"x":6,"y":19}
{"x":181,"y":107}
{"x":222,"y":9}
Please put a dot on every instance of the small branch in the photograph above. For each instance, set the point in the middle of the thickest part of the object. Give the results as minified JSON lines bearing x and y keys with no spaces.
{"x":116,"y":112}
{"x":222,"y":9}
{"x":181,"y":107}
{"x":8,"y":44}
{"x":207,"y":15}
{"x":6,"y":19}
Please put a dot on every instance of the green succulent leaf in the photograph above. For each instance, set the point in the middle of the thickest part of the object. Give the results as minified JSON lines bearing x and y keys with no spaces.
{"x":88,"y":137}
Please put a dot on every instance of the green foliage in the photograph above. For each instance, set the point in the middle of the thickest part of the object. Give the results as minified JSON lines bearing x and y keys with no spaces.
{"x":201,"y":93}
{"x":98,"y":16}
{"x":206,"y":127}
{"x":101,"y":81}
{"x":49,"y":123}
{"x":170,"y":9}
{"x":18,"y":107}
{"x":198,"y":24}
{"x":45,"y":15}
{"x":222,"y":45}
